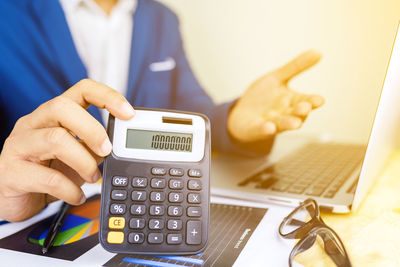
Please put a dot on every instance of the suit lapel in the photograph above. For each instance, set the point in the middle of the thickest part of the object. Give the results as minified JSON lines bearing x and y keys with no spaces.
{"x":142,"y":31}
{"x":51,"y":18}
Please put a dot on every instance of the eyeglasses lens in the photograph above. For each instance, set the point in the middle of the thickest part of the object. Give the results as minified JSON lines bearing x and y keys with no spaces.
{"x":321,"y":247}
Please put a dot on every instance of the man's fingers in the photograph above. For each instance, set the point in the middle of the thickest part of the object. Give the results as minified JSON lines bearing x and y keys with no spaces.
{"x":287,"y":122}
{"x":302,"y":109}
{"x":68,"y":111}
{"x":315,"y":100}
{"x":69,"y":172}
{"x":251,"y":127}
{"x":87,"y":92}
{"x":62,"y":111}
{"x":256,"y":128}
{"x":58,"y":143}
{"x":268,"y":128}
{"x":45,"y":180}
{"x":49,"y":199}
{"x":297,"y":65}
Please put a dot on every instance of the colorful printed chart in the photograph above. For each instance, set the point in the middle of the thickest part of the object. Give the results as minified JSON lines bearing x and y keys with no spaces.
{"x":77,"y":235}
{"x":74,"y":228}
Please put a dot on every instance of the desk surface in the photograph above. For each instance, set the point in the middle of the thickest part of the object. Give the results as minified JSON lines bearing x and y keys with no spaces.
{"x":372,"y":234}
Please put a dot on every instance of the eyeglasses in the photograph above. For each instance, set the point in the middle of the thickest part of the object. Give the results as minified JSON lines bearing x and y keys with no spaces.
{"x":305,"y":223}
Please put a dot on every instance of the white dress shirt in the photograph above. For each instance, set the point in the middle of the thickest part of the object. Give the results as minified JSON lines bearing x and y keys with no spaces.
{"x":103,"y":41}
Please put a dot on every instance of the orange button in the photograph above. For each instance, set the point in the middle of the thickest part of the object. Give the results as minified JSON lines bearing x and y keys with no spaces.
{"x":115,"y":237}
{"x":116,"y":223}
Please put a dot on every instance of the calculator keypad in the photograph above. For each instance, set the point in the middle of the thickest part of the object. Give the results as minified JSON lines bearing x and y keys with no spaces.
{"x":117,"y":208}
{"x":175,"y":211}
{"x":174,"y":225}
{"x":119,"y":181}
{"x":158,"y":171}
{"x":176,"y":184}
{"x":139,"y":182}
{"x":116,"y":223}
{"x":157,"y":210}
{"x":118,"y":194}
{"x":165,"y":208}
{"x":174,"y":197}
{"x":194,"y":198}
{"x":174,"y":239}
{"x":157,"y":196}
{"x":194,"y":185}
{"x":158,"y":183}
{"x":176,"y":172}
{"x":138,"y":209}
{"x":139,"y":195}
{"x":114,"y":237}
{"x":136,"y":223}
{"x":193,"y":232}
{"x":194,"y":211}
{"x":136,"y":238}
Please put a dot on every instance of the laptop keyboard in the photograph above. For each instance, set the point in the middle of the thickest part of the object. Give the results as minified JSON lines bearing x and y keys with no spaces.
{"x":317,"y":169}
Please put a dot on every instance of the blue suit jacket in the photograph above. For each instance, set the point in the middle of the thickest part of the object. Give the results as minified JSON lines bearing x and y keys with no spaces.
{"x":39,"y":61}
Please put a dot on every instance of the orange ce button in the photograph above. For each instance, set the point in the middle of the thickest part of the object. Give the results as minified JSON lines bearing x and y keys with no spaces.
{"x":116,"y":223}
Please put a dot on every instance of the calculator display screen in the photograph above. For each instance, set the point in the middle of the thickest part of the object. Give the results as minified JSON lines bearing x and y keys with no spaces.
{"x":155,"y":140}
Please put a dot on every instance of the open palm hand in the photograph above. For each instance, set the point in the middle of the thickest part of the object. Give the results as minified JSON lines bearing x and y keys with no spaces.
{"x":268,"y":106}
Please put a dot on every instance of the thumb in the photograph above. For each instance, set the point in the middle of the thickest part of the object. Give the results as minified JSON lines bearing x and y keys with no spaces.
{"x":298,"y":65}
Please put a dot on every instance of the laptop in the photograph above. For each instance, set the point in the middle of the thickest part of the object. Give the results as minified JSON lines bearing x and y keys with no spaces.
{"x":336,"y":174}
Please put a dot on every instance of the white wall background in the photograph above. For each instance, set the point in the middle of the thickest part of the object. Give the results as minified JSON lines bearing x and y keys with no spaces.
{"x":231,"y":42}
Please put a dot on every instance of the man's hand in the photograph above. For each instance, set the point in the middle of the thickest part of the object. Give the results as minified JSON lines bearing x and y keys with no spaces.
{"x":268,"y":106}
{"x":42,"y":160}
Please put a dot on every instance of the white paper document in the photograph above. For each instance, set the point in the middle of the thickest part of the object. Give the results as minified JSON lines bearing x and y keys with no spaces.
{"x":263,"y":246}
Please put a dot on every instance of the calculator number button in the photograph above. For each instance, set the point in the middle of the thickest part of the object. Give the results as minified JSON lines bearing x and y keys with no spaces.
{"x":175,"y":172}
{"x":136,"y":238}
{"x":117,"y":208}
{"x":155,"y":238}
{"x":118,"y":195}
{"x":157,"y":183}
{"x":175,"y":184}
{"x":136,"y":223}
{"x":194,"y":185}
{"x":114,"y":237}
{"x":174,"y":225}
{"x":157,"y":196}
{"x":193,"y":232}
{"x":194,"y":198}
{"x":194,"y":173}
{"x":175,"y":197}
{"x":119,"y":181}
{"x":138,"y":209}
{"x":139,"y":182}
{"x":158,"y":171}
{"x":174,"y":239}
{"x":156,"y":224}
{"x":139,"y":195}
{"x":157,"y":210}
{"x":116,"y":223}
{"x":194,"y":211}
{"x":175,"y":211}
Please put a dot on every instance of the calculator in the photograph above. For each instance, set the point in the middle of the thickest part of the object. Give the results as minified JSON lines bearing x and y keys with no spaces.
{"x":156,"y":189}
